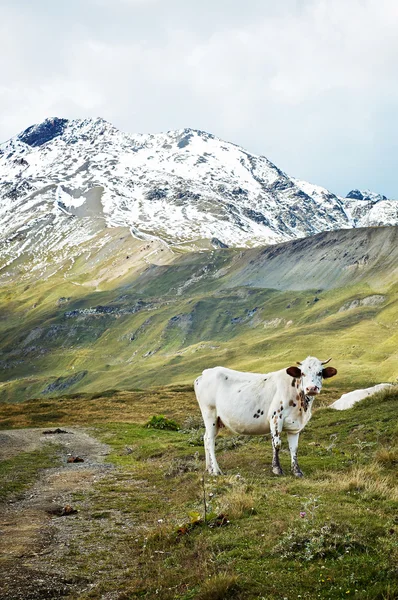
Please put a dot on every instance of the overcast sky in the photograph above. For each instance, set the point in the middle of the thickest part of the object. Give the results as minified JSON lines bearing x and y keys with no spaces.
{"x":311,"y":84}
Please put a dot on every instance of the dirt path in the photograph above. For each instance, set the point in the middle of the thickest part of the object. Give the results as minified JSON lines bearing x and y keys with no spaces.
{"x":33,"y":535}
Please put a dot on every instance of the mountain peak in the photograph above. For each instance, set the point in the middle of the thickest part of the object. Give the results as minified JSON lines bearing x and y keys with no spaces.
{"x":53,"y":127}
{"x":37,"y":135}
{"x":366,"y":195}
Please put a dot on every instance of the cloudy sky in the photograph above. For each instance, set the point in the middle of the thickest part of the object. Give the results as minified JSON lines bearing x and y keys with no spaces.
{"x":311,"y":84}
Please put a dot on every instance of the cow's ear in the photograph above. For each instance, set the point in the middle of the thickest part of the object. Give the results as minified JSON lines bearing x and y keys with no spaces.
{"x":294,"y":372}
{"x":328,"y":372}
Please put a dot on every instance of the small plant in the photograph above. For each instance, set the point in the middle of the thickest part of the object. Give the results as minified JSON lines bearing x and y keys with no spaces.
{"x":187,"y":464}
{"x":192,"y":423}
{"x":307,"y":542}
{"x":231,"y":442}
{"x":161,"y":422}
{"x":310,"y":507}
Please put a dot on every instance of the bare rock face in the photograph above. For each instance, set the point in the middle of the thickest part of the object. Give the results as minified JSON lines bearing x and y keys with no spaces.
{"x":374,"y":300}
{"x":37,"y":135}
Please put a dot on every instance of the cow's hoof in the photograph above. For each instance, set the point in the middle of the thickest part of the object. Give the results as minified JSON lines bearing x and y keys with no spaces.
{"x":298,"y":474}
{"x":277,"y":471}
{"x":215,"y":472}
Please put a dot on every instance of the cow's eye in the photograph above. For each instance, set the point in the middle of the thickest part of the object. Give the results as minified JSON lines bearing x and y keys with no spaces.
{"x":320,"y":374}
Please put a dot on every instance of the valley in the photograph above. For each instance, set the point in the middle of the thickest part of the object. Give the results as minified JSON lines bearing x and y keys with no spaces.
{"x":161,"y":324}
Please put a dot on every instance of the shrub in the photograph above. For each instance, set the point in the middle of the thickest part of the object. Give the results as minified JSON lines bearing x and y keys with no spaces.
{"x":161,"y":422}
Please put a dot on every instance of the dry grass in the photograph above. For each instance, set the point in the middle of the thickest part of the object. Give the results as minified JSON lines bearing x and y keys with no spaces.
{"x":368,"y":480}
{"x":125,"y":407}
{"x":219,"y":587}
{"x":239,"y":501}
{"x":387,"y":457}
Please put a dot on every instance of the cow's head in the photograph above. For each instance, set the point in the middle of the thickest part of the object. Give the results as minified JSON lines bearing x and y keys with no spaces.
{"x":310,"y":374}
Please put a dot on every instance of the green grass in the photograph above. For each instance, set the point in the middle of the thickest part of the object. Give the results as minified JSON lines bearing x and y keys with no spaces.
{"x":348,"y":534}
{"x":155,"y":526}
{"x":19,"y":472}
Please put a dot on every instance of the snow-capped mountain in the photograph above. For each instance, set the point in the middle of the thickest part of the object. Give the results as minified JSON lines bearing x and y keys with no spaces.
{"x":64,"y":183}
{"x":368,"y":208}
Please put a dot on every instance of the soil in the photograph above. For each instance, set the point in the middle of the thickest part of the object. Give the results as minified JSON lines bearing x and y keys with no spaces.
{"x":35,"y":529}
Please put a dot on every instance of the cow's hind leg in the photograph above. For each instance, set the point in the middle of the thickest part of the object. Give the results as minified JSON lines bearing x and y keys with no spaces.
{"x":212,"y":428}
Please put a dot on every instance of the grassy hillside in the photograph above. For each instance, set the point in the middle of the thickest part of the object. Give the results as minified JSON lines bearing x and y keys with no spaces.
{"x":154,"y":527}
{"x":161,"y":325}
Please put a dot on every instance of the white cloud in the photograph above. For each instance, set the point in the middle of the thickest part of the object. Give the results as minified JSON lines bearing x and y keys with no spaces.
{"x":312,"y":84}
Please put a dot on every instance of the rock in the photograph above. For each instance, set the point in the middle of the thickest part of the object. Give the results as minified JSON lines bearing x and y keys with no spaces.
{"x":75,"y":459}
{"x":54,"y":431}
{"x":62,"y":511}
{"x":63,"y":383}
{"x":216,"y":243}
{"x":350,"y":398}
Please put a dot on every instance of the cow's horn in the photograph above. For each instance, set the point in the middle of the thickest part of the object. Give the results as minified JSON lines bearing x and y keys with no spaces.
{"x":298,"y":363}
{"x":325,"y":362}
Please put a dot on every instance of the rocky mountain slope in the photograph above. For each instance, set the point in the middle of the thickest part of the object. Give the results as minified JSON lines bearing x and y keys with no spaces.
{"x":65,"y":186}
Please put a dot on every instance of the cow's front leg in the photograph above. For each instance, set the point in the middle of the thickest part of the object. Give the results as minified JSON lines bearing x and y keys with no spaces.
{"x":276,"y":429}
{"x":293,"y":438}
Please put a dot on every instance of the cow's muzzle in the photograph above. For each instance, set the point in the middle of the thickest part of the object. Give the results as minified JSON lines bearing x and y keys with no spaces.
{"x":312,"y":390}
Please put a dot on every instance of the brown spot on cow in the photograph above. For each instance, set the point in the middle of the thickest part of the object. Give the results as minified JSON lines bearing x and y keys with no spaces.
{"x":293,"y":381}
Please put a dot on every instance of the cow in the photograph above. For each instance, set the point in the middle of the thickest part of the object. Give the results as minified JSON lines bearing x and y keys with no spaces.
{"x":257,"y":404}
{"x":350,"y":398}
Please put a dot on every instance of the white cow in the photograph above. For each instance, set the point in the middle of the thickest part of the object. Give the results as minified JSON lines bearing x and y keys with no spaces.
{"x":348,"y":400}
{"x":256,"y":404}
